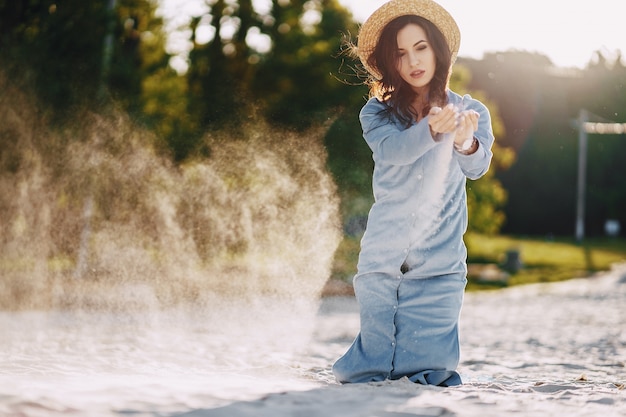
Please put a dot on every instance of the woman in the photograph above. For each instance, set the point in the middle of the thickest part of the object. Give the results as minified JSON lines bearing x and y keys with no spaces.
{"x":425,"y":141}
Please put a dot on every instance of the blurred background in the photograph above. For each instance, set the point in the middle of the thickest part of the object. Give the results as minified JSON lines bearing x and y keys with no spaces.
{"x":145,"y":138}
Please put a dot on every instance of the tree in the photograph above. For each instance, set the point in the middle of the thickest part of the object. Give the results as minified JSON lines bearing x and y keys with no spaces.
{"x":219,"y":70}
{"x":277,"y":62}
{"x":138,"y":53}
{"x":59,"y":48}
{"x":298,"y":78}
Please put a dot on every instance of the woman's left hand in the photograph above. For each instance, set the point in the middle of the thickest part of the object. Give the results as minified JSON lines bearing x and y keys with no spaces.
{"x":467,"y":124}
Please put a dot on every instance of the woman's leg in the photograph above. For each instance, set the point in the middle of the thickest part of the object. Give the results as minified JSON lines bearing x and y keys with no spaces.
{"x":427,"y":329}
{"x":370,"y":358}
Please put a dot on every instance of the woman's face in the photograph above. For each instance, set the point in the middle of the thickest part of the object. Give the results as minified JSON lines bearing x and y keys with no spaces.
{"x":416,"y":58}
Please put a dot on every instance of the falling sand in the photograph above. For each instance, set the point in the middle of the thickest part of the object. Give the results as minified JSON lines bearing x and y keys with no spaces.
{"x":94,"y":217}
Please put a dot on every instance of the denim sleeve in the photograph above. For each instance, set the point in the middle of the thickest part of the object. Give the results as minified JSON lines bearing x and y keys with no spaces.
{"x":391,"y":143}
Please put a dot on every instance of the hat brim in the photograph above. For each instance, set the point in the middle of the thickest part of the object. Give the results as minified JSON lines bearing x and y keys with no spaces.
{"x":370,"y":30}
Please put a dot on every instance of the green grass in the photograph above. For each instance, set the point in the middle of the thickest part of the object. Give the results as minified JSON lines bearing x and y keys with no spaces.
{"x":543,"y":260}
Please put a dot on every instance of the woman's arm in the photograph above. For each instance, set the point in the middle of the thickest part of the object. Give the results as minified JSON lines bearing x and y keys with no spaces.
{"x":475,"y":164}
{"x":389,"y":143}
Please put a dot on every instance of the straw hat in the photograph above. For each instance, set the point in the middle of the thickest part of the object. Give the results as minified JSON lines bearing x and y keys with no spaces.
{"x":428,"y":9}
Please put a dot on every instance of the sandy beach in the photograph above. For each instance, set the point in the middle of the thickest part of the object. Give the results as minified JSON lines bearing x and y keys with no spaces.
{"x":538,"y":350}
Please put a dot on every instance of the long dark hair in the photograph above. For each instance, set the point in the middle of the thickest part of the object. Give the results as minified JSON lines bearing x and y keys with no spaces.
{"x":392,"y":89}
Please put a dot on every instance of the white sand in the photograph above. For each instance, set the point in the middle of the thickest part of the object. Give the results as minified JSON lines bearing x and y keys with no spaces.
{"x":539,"y":350}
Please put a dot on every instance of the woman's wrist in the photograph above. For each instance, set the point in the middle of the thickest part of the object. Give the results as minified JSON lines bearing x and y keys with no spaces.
{"x":467,"y":147}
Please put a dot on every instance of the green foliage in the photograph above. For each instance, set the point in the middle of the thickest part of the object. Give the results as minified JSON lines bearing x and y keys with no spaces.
{"x":292,"y":84}
{"x":298,"y":78}
{"x":350,"y":161}
{"x":217,"y":75}
{"x":59,"y":49}
{"x":138,"y":53}
{"x":58,"y":46}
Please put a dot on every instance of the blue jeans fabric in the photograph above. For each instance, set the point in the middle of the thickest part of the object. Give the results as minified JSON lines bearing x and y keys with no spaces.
{"x":409,"y":328}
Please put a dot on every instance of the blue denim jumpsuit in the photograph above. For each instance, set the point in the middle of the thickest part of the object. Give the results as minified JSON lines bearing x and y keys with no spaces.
{"x":411,"y":272}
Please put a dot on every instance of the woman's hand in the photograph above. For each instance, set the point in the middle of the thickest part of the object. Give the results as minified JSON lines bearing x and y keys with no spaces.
{"x":448,"y":120}
{"x":467,"y":125}
{"x":442,"y":120}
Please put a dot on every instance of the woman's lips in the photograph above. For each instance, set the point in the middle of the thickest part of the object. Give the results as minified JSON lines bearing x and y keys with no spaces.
{"x":417,"y":74}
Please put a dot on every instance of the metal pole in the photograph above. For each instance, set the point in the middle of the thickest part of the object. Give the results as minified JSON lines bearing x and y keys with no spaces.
{"x":583,"y":117}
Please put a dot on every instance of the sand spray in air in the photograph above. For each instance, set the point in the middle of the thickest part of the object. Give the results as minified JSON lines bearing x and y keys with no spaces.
{"x":94,"y":218}
{"x":431,"y":202}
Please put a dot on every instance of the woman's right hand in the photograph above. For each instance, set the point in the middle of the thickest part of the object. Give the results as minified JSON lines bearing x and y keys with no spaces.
{"x":442,"y":120}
